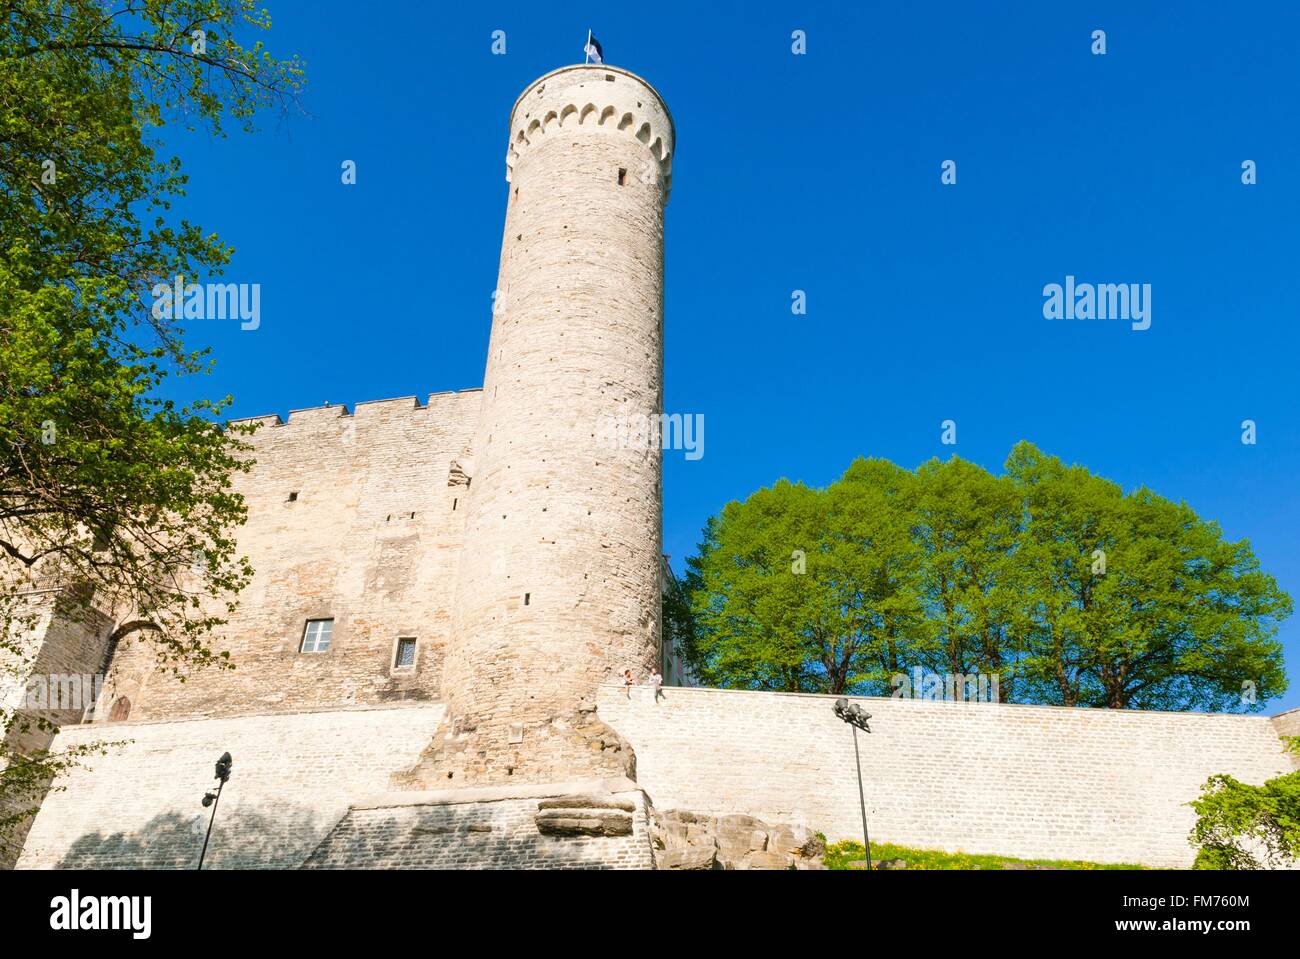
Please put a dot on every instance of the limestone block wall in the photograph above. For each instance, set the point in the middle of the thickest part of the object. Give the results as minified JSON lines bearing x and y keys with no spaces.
{"x":352,"y":515}
{"x":1027,"y":781}
{"x":56,"y":662}
{"x":50,"y":674}
{"x":561,"y":588}
{"x":471,"y":829}
{"x":294,"y":777}
{"x":1288,"y":724}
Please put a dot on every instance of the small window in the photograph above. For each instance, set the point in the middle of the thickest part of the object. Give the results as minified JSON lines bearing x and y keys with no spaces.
{"x":293,"y":496}
{"x":120,"y":711}
{"x":622,"y":175}
{"x":405,"y":653}
{"x":316,"y":636}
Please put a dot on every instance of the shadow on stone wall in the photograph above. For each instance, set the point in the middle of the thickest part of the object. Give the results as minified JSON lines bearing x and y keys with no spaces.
{"x":467,"y":836}
{"x":24,"y":797}
{"x":240,"y":840}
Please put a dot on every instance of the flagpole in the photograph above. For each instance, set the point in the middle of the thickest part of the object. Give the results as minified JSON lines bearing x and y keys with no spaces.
{"x":586,"y":51}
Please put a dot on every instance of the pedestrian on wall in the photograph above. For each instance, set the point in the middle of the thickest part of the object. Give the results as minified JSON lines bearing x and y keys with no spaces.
{"x":628,"y":682}
{"x":657,"y":683}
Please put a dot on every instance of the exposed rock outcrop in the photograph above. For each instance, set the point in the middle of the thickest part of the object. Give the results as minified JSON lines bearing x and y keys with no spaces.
{"x":686,"y":840}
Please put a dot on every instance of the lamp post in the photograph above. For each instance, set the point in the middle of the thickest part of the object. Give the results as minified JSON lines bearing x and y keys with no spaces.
{"x":854,"y":715}
{"x":212,"y":798}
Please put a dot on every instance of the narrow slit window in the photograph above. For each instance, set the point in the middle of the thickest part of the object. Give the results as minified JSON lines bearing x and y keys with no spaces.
{"x":405,"y":657}
{"x":316,"y":636}
{"x":622,"y":175}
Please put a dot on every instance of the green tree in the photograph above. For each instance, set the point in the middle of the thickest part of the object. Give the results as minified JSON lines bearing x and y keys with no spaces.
{"x":875,"y":569}
{"x":804,"y":590}
{"x":966,"y":523}
{"x":1068,"y":532}
{"x":1135,"y":601}
{"x":761,"y":611}
{"x":1048,"y":577}
{"x":1240,"y":826}
{"x":106,"y":488}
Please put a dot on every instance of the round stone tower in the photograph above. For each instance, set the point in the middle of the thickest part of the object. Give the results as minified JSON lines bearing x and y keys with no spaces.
{"x":559,"y":582}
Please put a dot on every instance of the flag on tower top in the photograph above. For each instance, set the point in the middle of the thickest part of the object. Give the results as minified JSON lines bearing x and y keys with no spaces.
{"x":593,"y":50}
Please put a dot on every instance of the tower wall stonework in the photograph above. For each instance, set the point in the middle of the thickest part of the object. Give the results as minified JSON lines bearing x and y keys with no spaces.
{"x":560,"y":590}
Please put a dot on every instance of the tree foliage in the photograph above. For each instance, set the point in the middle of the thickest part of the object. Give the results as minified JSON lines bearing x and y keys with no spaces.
{"x":1054,"y":580}
{"x":1240,"y":826}
{"x":107,"y":489}
{"x":103,"y":483}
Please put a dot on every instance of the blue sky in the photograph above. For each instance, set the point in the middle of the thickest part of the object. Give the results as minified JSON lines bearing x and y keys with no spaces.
{"x":820,"y":172}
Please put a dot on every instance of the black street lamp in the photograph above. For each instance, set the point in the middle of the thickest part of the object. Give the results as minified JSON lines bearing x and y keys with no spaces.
{"x":212,"y":798}
{"x":854,"y":715}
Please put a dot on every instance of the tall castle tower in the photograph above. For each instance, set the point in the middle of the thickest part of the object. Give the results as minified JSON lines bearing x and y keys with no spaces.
{"x":559,"y":583}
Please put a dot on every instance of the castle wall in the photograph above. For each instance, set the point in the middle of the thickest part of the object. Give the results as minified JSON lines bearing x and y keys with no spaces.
{"x":528,"y":593}
{"x":371,"y":539}
{"x":477,"y":829}
{"x":1288,"y":724}
{"x":313,"y":789}
{"x":294,"y":777}
{"x":49,"y":677}
{"x":1025,"y":781}
{"x":51,"y":670}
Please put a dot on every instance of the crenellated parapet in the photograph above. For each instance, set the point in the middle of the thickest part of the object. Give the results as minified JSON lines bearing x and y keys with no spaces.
{"x":593,"y":99}
{"x":334,"y":420}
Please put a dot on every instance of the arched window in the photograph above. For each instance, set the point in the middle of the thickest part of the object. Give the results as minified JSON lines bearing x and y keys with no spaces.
{"x":120,"y":711}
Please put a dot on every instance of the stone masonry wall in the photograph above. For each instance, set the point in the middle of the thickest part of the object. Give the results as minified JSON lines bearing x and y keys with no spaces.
{"x":49,"y":677}
{"x":53,"y":670}
{"x":560,"y":590}
{"x":470,"y":831}
{"x":1036,"y":782}
{"x":371,"y":539}
{"x":294,"y":778}
{"x":1027,"y":781}
{"x":1288,"y":724}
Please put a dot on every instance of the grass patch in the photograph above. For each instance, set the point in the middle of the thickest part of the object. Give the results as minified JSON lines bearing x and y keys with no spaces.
{"x":840,"y":854}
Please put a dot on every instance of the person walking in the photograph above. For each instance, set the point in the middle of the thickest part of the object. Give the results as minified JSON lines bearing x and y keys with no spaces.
{"x":657,"y":683}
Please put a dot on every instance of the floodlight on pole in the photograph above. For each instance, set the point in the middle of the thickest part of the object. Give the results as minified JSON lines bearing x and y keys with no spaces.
{"x":212,"y":798}
{"x":855,"y":716}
